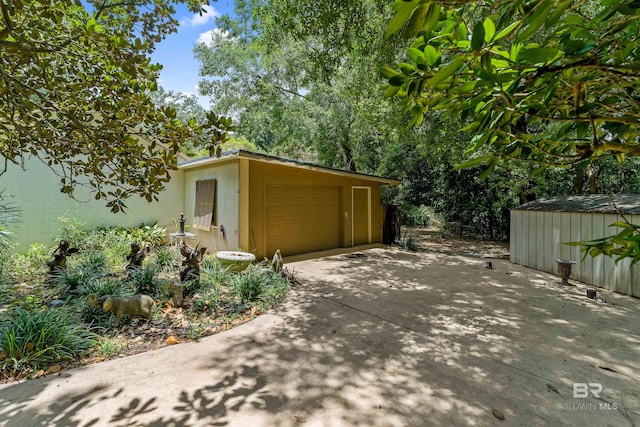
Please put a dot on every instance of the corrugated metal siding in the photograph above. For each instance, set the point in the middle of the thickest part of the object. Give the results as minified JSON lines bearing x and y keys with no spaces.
{"x":537,"y":241}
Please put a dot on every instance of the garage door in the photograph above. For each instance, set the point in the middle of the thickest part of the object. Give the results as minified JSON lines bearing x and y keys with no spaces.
{"x":302,"y":218}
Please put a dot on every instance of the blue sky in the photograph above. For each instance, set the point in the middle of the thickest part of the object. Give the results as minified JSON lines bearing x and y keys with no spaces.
{"x":175,"y":53}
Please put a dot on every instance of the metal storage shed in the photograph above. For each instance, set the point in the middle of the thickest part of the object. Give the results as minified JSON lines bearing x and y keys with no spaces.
{"x":539,"y":229}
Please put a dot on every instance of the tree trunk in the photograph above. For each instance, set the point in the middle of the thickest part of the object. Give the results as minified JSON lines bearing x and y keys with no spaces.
{"x":392,"y":223}
{"x":346,"y":149}
{"x":593,"y":179}
{"x":578,"y":179}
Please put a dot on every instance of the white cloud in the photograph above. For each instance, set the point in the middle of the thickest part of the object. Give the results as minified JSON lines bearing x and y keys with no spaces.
{"x":197,"y":20}
{"x":208,"y":36}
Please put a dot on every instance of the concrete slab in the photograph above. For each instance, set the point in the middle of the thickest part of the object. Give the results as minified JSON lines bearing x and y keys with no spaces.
{"x":381,"y":337}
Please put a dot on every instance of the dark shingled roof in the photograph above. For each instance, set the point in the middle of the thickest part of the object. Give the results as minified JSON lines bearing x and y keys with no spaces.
{"x":593,"y":203}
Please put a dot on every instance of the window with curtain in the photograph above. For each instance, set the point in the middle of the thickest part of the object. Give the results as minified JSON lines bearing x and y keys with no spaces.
{"x":204,"y":215}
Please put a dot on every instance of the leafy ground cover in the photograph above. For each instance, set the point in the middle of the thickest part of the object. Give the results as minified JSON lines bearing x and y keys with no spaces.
{"x":46,"y":326}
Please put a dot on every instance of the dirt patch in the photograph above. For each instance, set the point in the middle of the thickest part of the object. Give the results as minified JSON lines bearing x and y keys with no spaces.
{"x":432,"y":240}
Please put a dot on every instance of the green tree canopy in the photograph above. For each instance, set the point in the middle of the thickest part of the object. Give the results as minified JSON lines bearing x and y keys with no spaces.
{"x":550,"y":82}
{"x":300,"y":78}
{"x":546,"y":81}
{"x":74,"y":91}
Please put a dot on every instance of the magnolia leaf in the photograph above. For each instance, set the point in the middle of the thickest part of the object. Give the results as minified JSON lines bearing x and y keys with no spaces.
{"x":477,"y":38}
{"x":508,"y":30}
{"x":387,"y":72}
{"x":417,"y":21}
{"x":416,"y":55}
{"x":473,"y":162}
{"x":489,"y":30}
{"x":402,"y":16}
{"x":432,"y":18}
{"x":431,"y":55}
{"x":538,"y":55}
{"x":446,"y":72}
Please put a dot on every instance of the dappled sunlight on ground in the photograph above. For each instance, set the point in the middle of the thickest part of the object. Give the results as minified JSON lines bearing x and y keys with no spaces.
{"x":386,"y":337}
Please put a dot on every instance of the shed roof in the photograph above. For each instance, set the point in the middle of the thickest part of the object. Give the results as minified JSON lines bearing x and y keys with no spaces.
{"x":267,"y":158}
{"x":592,"y":203}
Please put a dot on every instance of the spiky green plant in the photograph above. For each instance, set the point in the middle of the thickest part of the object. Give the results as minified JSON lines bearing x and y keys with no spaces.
{"x":167,"y":259}
{"x":145,"y":280}
{"x":8,"y":216}
{"x":94,"y":264}
{"x":73,"y":279}
{"x":213,"y":273}
{"x":275,"y":287}
{"x":108,"y":347}
{"x":33,"y":340}
{"x":248,"y":286}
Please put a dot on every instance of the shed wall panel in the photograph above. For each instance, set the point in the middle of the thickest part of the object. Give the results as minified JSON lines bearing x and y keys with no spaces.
{"x":609,"y":265}
{"x":531,"y":240}
{"x":635,"y":270}
{"x":539,"y":238}
{"x":587,"y":234}
{"x":513,"y":216}
{"x":557,"y":237}
{"x":598,"y":229}
{"x":524,"y":239}
{"x":520,"y":237}
{"x":574,"y":251}
{"x":548,"y":242}
{"x":566,"y":233}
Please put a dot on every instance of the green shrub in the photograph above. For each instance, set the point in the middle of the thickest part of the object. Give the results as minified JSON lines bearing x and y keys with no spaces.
{"x":148,"y":235}
{"x":105,"y":286}
{"x":194,"y":332}
{"x":38,"y":339}
{"x":38,"y":255}
{"x":8,"y":216}
{"x":116,"y":253}
{"x":111,"y":242}
{"x":275,"y":287}
{"x":145,"y":280}
{"x":166,"y":259}
{"x":94,"y":264}
{"x":421,"y":216}
{"x":108,"y":347}
{"x":249,"y":285}
{"x":73,"y":279}
{"x":32,"y":302}
{"x":72,"y":230}
{"x":213,"y":273}
{"x":409,"y":243}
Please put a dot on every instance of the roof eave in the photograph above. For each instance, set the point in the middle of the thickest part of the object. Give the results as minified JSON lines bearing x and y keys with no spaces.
{"x":265,"y":158}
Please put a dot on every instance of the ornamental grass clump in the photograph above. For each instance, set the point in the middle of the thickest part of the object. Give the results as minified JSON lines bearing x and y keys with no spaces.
{"x":274,"y":289}
{"x":72,"y":279}
{"x":145,"y":280}
{"x":166,"y":259}
{"x":36,"y":340}
{"x":248,"y":286}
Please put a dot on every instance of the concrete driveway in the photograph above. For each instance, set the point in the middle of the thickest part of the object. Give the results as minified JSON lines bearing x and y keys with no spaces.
{"x":381,"y":337}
